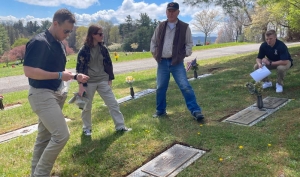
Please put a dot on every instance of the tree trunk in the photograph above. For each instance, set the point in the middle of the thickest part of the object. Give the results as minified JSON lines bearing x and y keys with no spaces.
{"x":205,"y":39}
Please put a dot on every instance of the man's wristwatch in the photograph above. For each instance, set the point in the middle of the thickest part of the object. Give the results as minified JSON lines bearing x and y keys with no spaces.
{"x":270,"y":63}
{"x":75,"y":77}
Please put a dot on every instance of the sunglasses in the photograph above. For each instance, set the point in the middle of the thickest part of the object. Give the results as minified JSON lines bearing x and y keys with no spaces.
{"x":100,"y":34}
{"x":68,"y":31}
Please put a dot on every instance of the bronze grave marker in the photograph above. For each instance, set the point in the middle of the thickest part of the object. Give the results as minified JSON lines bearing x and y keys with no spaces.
{"x":136,"y":95}
{"x":273,"y":102}
{"x":246,"y":116}
{"x":170,"y":160}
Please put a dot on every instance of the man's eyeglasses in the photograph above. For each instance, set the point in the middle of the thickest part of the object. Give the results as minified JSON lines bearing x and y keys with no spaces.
{"x":100,"y":34}
{"x":68,"y":31}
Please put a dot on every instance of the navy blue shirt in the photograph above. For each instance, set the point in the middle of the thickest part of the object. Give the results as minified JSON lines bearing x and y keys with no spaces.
{"x":45,"y":52}
{"x":278,"y":52}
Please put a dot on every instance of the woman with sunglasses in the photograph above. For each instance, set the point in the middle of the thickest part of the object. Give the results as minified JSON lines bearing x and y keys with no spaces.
{"x":94,"y":60}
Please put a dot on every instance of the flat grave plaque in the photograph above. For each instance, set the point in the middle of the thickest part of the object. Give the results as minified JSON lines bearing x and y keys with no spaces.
{"x":199,"y":77}
{"x":136,"y":95}
{"x":247,"y":116}
{"x":273,"y":102}
{"x":20,"y":132}
{"x":170,"y":160}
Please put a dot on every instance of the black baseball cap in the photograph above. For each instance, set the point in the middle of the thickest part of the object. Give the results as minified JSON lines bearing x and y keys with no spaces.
{"x":173,"y":5}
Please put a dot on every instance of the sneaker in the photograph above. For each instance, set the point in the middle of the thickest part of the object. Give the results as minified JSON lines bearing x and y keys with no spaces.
{"x":198,"y":116}
{"x":267,"y":85}
{"x":87,"y":132}
{"x":124,"y":129}
{"x":279,"y":88}
{"x":157,"y":114}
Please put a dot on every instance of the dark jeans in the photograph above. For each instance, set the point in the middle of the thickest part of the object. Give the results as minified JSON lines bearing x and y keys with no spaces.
{"x":179,"y":74}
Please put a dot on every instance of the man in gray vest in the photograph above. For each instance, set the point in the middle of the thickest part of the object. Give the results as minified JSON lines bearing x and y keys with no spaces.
{"x":170,"y":44}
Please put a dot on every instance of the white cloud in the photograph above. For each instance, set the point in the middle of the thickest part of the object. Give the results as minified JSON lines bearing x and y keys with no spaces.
{"x":117,"y":16}
{"x":134,"y":9}
{"x":80,"y":4}
{"x":24,"y":20}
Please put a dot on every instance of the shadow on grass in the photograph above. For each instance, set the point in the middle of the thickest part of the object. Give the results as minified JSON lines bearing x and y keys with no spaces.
{"x":90,"y":154}
{"x":245,"y":150}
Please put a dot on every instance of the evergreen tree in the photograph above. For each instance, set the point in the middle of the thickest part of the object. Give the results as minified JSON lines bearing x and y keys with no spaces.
{"x":4,"y":40}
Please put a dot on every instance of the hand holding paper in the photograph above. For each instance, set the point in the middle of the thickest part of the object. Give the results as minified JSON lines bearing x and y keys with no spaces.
{"x":260,"y":73}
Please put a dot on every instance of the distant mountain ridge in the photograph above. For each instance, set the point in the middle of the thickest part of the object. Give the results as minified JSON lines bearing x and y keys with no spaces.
{"x":201,"y":38}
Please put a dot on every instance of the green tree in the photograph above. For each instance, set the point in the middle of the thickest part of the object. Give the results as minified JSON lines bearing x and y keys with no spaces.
{"x":144,"y":21}
{"x":11,"y":33}
{"x":4,"y":41}
{"x":19,"y":26}
{"x":19,"y":42}
{"x":126,"y":28}
{"x":72,"y":39}
{"x":139,"y":32}
{"x":106,"y":26}
{"x":286,"y":12}
{"x":44,"y":25}
{"x":32,"y":27}
{"x":229,"y":6}
{"x":256,"y":32}
{"x":81,"y":33}
{"x":142,"y":36}
{"x":114,"y":35}
{"x":239,"y":10}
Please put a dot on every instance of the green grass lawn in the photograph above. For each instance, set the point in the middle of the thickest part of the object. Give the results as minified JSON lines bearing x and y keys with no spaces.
{"x":270,"y":148}
{"x":213,"y":46}
{"x":123,"y":57}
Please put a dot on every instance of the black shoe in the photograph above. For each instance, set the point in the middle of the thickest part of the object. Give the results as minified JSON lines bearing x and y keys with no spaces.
{"x":198,"y":116}
{"x":157,"y":114}
{"x":124,"y":129}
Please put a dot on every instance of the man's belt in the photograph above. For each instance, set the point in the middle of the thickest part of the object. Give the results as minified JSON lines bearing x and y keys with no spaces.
{"x":167,"y":58}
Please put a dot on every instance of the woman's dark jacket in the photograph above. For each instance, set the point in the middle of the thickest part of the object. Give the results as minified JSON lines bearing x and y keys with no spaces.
{"x":84,"y":56}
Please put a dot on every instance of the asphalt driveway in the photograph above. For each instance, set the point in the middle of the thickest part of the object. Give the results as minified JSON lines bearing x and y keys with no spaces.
{"x":18,"y":83}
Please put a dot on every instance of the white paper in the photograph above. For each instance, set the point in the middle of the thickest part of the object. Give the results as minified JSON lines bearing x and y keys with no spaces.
{"x":260,"y":73}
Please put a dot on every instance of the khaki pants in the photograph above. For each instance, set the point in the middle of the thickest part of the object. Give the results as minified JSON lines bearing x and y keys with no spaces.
{"x":104,"y":90}
{"x":53,"y":132}
{"x":281,"y":72}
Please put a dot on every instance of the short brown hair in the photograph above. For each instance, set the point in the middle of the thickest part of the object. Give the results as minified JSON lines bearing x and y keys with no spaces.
{"x":62,"y":15}
{"x":271,"y":32}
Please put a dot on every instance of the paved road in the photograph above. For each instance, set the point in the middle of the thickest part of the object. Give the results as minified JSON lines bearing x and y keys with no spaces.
{"x":18,"y":83}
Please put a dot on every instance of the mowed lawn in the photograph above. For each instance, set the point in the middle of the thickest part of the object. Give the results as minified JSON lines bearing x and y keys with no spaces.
{"x":122,"y":57}
{"x":270,"y":148}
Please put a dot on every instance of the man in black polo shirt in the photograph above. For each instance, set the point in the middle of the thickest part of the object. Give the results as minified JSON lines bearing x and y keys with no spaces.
{"x":274,"y":54}
{"x":44,"y":65}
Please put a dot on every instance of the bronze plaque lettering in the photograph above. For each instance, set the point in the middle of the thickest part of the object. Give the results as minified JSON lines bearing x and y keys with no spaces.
{"x":273,"y":102}
{"x":170,"y":160}
{"x":246,"y":116}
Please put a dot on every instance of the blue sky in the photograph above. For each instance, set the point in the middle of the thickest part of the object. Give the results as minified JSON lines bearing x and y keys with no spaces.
{"x":87,"y":11}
